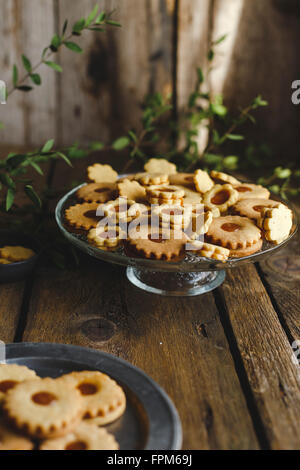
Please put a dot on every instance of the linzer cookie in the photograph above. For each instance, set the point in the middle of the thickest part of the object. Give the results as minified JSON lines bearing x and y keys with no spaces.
{"x":221,"y":178}
{"x":11,"y":375}
{"x":153,"y":179}
{"x":208,"y":251}
{"x":97,"y":192}
{"x":276,"y":223}
{"x":101,"y":394}
{"x":203,"y":182}
{"x":160,"y":244}
{"x":15,"y":254}
{"x":160,"y":165}
{"x":183,"y":179}
{"x":221,"y":196}
{"x":102,"y":173}
{"x":247,"y":191}
{"x":200,"y":223}
{"x":249,"y":250}
{"x":165,"y":192}
{"x":11,"y":440}
{"x":118,"y":209}
{"x":83,"y":216}
{"x":174,"y":216}
{"x":252,"y":207}
{"x":44,"y":408}
{"x":233,"y":232}
{"x":86,"y":436}
{"x":106,"y":237}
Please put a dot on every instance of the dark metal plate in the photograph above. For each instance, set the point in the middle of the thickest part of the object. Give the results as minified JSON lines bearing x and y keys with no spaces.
{"x":150,"y":422}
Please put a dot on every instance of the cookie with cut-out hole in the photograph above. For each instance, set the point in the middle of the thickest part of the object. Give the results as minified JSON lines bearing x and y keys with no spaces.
{"x":106,"y":237}
{"x":222,"y":178}
{"x":165,"y":192}
{"x":97,"y":192}
{"x":246,"y":191}
{"x":101,"y":394}
{"x":221,"y":197}
{"x":153,"y":179}
{"x":13,"y":374}
{"x":44,"y":408}
{"x":233,"y":232}
{"x":83,"y":216}
{"x":12,"y":440}
{"x":86,"y":436}
{"x":209,"y":251}
{"x":252,"y":207}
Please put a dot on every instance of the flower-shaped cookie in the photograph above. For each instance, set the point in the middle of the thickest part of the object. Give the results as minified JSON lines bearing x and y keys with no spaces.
{"x":202,"y":181}
{"x":247,"y":191}
{"x":276,"y":223}
{"x":221,"y":197}
{"x":97,"y":192}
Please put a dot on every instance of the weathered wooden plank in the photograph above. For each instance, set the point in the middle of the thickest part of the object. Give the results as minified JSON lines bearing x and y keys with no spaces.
{"x":11,"y":296}
{"x":179,"y":342}
{"x":26,"y":29}
{"x":117,"y":70}
{"x":266,"y":356}
{"x":261,"y":39}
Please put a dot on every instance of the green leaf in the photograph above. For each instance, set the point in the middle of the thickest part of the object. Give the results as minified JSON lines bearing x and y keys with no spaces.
{"x":65,"y":27}
{"x":220,"y":40}
{"x":212,"y":159}
{"x":48,"y":146}
{"x":14,"y":160}
{"x":36,"y":78}
{"x":133,"y":136}
{"x":7,"y":181}
{"x":33,"y":196}
{"x":55,"y":42}
{"x":211,"y":55}
{"x":65,"y":158}
{"x":258,"y":101}
{"x":235,"y":137}
{"x":218,"y":109}
{"x":231,"y":162}
{"x":10,"y":196}
{"x":15,"y":76}
{"x":100,"y":18}
{"x":24,"y":88}
{"x":114,"y":23}
{"x":36,"y":167}
{"x":96,"y":146}
{"x":79,"y":26}
{"x":275,"y":188}
{"x":121,"y":143}
{"x":200,"y":75}
{"x":26,"y":63}
{"x":282,"y":173}
{"x":54,"y":66}
{"x":92,"y":16}
{"x":73,"y":46}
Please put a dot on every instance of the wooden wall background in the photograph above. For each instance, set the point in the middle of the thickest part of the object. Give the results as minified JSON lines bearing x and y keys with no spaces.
{"x":162,"y":41}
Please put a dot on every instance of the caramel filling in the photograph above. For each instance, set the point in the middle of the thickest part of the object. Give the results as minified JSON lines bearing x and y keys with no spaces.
{"x":43,"y":398}
{"x":122,"y":208}
{"x":90,"y":214}
{"x":7,"y":385}
{"x":167,"y":190}
{"x":172,"y":211}
{"x":159,"y":239}
{"x":102,"y":190}
{"x":189,"y":179}
{"x":87,"y":388}
{"x":76,"y":445}
{"x":259,"y":208}
{"x":230,"y":227}
{"x":243,"y":189}
{"x":221,"y":197}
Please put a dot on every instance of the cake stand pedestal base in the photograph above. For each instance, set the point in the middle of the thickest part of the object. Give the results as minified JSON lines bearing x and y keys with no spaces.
{"x":176,"y":284}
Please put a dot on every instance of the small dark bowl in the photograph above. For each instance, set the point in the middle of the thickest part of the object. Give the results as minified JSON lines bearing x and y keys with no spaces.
{"x":21,"y":270}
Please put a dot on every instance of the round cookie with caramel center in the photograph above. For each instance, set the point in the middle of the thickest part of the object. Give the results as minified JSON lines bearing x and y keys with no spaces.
{"x":86,"y":436}
{"x":83,"y":216}
{"x":246,"y":191}
{"x":252,"y":207}
{"x":11,"y":440}
{"x":221,"y":197}
{"x":160,"y":244}
{"x":13,"y":374}
{"x":97,"y":192}
{"x":249,"y":250}
{"x":233,"y":232}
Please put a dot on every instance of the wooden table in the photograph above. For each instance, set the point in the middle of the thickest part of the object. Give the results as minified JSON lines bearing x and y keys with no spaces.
{"x":225,"y":357}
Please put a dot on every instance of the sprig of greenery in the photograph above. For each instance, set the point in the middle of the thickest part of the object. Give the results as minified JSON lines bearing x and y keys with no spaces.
{"x":96,"y":21}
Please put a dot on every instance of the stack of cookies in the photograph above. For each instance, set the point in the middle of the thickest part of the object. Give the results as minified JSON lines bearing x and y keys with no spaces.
{"x":67,"y":413}
{"x":162,"y":214}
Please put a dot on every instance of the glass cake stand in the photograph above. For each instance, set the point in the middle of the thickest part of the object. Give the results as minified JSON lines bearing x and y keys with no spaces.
{"x":188,"y":277}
